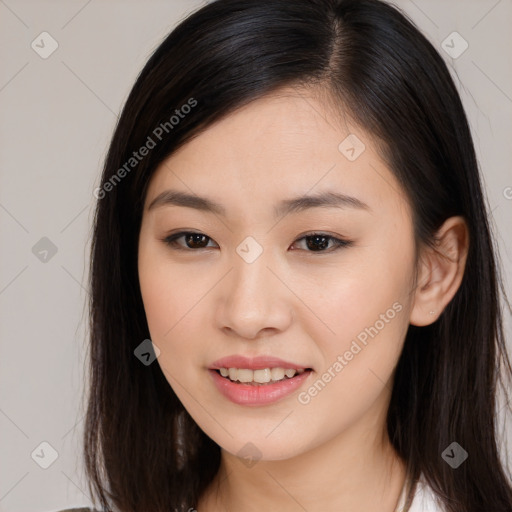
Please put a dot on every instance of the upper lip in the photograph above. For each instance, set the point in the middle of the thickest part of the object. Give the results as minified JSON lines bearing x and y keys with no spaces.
{"x":254,"y":363}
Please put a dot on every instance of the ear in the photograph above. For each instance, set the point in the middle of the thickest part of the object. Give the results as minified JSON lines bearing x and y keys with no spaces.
{"x":440,"y":271}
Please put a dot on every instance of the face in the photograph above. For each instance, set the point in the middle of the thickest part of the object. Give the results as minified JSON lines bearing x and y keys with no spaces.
{"x":256,"y":280}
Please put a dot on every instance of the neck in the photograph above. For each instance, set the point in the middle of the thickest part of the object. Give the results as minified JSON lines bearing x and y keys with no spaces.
{"x":356,"y":471}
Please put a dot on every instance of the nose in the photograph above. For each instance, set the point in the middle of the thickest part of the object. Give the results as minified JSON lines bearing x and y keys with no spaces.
{"x":253,"y":299}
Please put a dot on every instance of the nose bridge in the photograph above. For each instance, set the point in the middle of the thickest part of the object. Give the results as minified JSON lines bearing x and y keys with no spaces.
{"x":253,"y":299}
{"x":251,"y":277}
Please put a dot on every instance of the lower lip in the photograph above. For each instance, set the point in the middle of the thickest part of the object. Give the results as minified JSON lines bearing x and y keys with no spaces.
{"x":246,"y":394}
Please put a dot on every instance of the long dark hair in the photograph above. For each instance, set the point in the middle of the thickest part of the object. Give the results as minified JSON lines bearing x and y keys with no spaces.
{"x":143,"y":451}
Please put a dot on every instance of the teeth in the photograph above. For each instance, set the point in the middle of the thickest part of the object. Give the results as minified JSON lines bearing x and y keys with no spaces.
{"x":277,"y":373}
{"x":262,"y":376}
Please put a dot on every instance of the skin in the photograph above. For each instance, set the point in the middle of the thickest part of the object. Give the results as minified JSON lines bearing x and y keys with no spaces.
{"x":305,"y":306}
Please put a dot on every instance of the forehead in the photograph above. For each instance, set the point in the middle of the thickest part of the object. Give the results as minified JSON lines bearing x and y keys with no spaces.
{"x":282,"y":145}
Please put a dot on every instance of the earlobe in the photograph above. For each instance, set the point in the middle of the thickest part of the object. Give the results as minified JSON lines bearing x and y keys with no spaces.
{"x":440,"y":271}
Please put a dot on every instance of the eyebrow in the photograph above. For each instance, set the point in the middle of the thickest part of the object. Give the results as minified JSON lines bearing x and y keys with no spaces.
{"x":285,"y":207}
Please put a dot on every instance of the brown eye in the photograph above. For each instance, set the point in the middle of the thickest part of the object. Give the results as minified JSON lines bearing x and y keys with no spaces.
{"x":319,"y":242}
{"x":192,"y":240}
{"x":315,"y":242}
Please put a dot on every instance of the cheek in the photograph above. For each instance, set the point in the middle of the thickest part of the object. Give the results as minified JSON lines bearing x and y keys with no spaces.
{"x":166,"y":292}
{"x":156,"y":295}
{"x":365,"y":307}
{"x":174,"y":300}
{"x":358,"y":293}
{"x":369,"y":318}
{"x":166,"y":302}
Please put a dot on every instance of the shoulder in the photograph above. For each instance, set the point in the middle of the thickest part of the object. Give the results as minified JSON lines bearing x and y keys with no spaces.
{"x":425,"y":499}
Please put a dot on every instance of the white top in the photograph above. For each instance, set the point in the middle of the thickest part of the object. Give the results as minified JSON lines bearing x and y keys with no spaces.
{"x":423,"y":501}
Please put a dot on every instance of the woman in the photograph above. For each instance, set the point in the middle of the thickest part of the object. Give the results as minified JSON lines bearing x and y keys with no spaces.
{"x":295,"y":298}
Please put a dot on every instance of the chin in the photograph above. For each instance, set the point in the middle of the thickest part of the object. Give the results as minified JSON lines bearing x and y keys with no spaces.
{"x":255,"y":450}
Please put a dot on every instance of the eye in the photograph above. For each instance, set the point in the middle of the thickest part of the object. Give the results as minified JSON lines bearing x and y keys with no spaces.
{"x":315,"y":242}
{"x":192,"y":239}
{"x":318,"y":242}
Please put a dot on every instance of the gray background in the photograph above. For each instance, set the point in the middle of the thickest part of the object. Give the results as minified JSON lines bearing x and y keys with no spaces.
{"x":57,"y":115}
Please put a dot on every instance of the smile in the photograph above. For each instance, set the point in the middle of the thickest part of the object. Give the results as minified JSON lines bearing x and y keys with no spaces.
{"x":253,"y":393}
{"x":261,"y":376}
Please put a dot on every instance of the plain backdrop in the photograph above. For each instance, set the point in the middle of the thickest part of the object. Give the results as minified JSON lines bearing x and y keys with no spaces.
{"x":57,"y":116}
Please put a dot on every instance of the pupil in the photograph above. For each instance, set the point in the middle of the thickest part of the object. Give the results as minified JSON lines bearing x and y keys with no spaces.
{"x":195,"y":237}
{"x":316,"y":238}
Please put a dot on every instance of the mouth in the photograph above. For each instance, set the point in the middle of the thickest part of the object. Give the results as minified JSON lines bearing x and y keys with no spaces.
{"x":241,"y":386}
{"x":260,"y":377}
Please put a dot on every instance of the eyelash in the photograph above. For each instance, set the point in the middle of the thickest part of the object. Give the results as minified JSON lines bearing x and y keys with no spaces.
{"x":340,"y":243}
